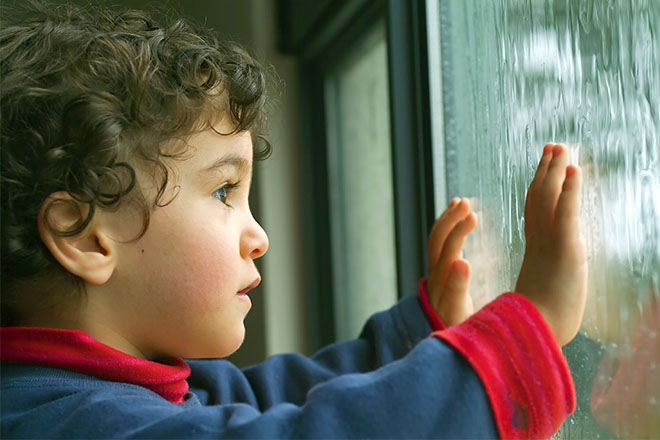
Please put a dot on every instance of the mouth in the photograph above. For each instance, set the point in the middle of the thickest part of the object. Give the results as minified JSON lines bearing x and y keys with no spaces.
{"x":254,"y":284}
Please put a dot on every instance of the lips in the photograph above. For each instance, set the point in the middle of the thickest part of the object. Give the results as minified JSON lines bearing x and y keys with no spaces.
{"x":254,"y":284}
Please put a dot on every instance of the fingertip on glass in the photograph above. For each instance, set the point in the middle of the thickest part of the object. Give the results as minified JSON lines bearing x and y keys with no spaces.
{"x":570,"y":171}
{"x":557,"y":150}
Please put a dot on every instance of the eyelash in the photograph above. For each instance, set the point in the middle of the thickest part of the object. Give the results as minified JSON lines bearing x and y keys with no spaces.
{"x":227,"y":188}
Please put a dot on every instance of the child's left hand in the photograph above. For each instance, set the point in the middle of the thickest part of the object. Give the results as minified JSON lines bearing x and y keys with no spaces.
{"x":449,"y":273}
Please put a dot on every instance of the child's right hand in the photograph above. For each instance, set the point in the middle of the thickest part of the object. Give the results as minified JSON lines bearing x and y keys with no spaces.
{"x":554,"y":270}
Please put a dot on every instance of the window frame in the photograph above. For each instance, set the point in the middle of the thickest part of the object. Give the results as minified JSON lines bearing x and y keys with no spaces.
{"x":319,"y":33}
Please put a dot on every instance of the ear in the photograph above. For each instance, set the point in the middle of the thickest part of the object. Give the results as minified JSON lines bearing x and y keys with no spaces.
{"x":89,"y":254}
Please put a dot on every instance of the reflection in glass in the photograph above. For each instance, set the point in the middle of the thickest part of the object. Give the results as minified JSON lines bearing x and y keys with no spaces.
{"x":360,"y":178}
{"x":517,"y":74}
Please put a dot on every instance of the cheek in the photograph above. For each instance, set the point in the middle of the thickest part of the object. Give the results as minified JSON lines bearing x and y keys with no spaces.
{"x":208,"y":268}
{"x":208,"y":264}
{"x":193,"y":268}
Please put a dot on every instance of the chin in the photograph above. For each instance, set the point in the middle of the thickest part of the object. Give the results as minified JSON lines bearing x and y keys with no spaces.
{"x":214,"y":350}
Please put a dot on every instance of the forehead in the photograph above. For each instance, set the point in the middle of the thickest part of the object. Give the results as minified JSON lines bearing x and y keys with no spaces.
{"x":217,"y":146}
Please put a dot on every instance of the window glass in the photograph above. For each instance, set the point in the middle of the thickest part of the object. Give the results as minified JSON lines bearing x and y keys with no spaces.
{"x":516,"y":74}
{"x":360,"y":184}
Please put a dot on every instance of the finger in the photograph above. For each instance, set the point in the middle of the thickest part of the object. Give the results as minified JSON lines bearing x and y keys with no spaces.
{"x":459,"y":278}
{"x":546,"y":157}
{"x":453,"y":247}
{"x":531,"y":201}
{"x":552,"y":185}
{"x":567,"y":215}
{"x":457,"y":210}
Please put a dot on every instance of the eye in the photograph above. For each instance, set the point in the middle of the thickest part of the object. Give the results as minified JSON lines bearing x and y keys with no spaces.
{"x":224,"y":192}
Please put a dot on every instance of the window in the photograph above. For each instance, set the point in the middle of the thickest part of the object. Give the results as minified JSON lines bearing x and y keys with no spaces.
{"x":475,"y":88}
{"x":512,"y":75}
{"x":360,"y":184}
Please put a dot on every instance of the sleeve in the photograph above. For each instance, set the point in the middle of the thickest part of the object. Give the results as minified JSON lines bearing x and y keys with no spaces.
{"x":499,"y":373}
{"x":433,"y":318}
{"x":525,"y":375}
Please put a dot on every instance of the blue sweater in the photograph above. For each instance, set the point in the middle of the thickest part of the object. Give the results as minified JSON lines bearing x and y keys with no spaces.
{"x":391,"y":382}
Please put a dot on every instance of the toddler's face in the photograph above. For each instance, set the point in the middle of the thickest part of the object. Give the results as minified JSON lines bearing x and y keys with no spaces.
{"x":180,"y":289}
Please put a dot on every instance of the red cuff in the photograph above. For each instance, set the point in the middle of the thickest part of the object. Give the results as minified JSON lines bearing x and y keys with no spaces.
{"x":434,"y":319}
{"x":523,"y":370}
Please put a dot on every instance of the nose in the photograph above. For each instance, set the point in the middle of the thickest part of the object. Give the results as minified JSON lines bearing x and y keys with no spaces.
{"x":254,"y":241}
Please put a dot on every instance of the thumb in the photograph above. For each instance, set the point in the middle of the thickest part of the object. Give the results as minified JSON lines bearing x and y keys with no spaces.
{"x":457,"y":301}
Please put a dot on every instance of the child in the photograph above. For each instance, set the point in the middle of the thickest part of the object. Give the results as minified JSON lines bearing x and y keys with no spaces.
{"x":128,"y":244}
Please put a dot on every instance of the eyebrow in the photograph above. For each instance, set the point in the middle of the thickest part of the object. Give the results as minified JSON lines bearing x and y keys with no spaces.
{"x":231,"y":160}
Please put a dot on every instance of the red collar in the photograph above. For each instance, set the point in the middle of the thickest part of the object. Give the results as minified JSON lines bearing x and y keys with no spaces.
{"x":77,"y":351}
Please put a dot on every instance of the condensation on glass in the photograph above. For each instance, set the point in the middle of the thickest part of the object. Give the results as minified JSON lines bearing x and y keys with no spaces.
{"x":360,"y":180}
{"x":517,"y":74}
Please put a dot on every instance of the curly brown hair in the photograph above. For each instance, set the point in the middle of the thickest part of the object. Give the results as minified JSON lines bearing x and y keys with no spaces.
{"x":85,"y":92}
